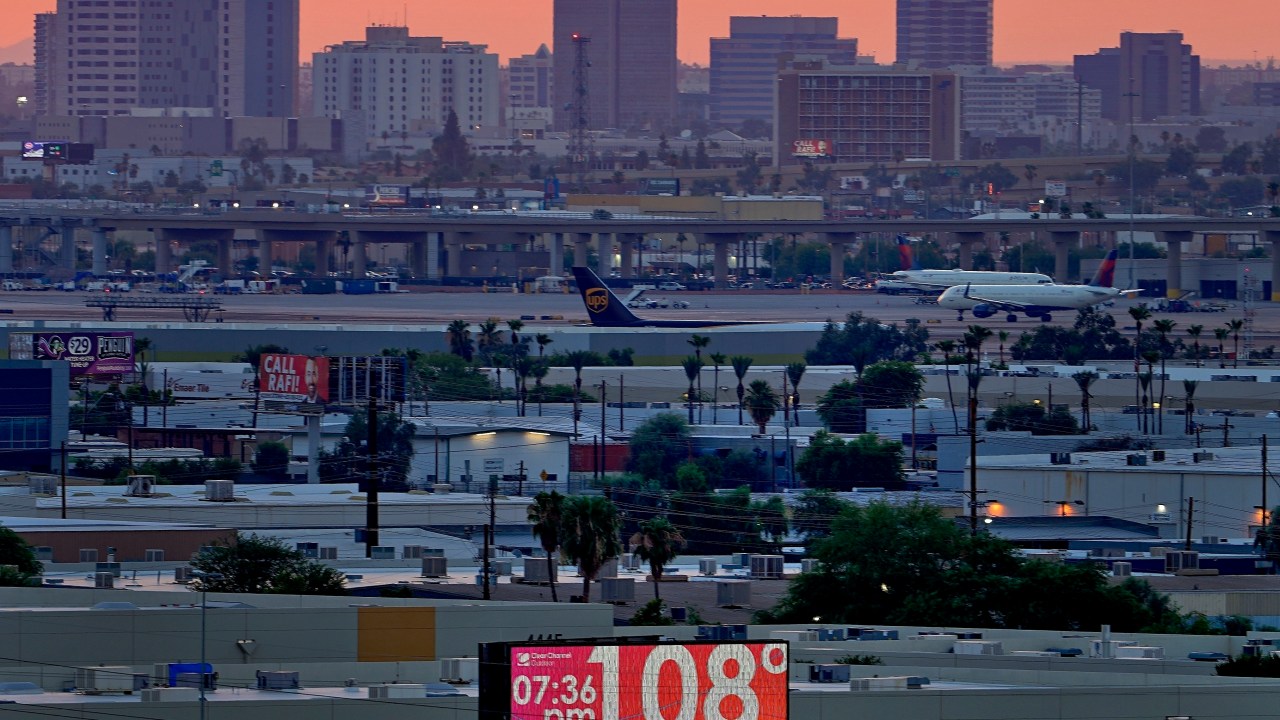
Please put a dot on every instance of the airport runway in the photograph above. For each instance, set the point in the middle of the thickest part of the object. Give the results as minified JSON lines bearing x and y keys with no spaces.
{"x":436,"y":307}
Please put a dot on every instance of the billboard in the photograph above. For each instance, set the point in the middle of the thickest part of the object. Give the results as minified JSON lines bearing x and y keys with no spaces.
{"x":812,"y":148}
{"x":295,"y":380}
{"x":662,"y":186}
{"x":353,"y":379}
{"x":386,"y":195}
{"x":1055,"y":188}
{"x":90,"y":353}
{"x":612,"y":680}
{"x":44,"y":150}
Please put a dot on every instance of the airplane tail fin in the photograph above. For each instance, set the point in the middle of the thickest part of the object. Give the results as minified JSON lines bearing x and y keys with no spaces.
{"x":603,"y":307}
{"x":1106,"y":275}
{"x":906,"y":257}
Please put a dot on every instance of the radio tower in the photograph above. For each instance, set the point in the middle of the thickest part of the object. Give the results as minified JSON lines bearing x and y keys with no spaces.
{"x":580,"y":139}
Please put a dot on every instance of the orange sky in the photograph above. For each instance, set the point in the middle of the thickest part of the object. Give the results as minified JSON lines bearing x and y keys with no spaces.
{"x":1025,"y":30}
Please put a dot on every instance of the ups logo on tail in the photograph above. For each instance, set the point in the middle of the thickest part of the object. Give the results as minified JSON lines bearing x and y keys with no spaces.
{"x":597,"y":300}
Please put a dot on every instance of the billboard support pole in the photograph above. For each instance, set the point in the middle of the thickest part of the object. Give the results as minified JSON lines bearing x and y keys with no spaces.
{"x":313,"y":449}
{"x":371,"y":494}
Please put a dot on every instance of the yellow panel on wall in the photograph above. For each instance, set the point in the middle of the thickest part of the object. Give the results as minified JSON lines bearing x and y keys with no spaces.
{"x":397,"y":634}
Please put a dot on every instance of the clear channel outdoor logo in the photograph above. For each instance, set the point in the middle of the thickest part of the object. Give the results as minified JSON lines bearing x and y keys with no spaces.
{"x":597,"y":300}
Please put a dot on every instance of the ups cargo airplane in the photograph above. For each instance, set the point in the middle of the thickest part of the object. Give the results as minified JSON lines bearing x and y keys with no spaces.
{"x":606,"y":310}
{"x":1036,"y":301}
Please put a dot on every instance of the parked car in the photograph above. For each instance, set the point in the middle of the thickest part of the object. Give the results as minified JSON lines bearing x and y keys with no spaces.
{"x":669,"y":286}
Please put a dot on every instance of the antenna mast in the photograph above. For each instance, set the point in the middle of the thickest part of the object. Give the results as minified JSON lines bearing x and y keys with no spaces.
{"x":580,"y":140}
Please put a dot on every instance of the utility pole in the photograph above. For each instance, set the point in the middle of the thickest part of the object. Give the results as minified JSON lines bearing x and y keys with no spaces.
{"x":1264,"y":482}
{"x":64,"y":482}
{"x":520,"y":482}
{"x":973,"y":463}
{"x":621,"y":404}
{"x":371,"y":493}
{"x":1191,"y":511}
{"x":487,"y":572}
{"x":604,"y":405}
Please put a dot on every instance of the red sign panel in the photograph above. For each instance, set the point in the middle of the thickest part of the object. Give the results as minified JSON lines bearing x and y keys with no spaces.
{"x":294,"y":379}
{"x":694,"y":681}
{"x":807,"y":147}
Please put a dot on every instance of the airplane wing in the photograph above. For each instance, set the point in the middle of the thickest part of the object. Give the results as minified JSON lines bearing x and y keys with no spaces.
{"x":1003,"y":305}
{"x":1130,"y":293}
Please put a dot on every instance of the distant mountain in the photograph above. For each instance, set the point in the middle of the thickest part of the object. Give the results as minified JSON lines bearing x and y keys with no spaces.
{"x":21,"y":52}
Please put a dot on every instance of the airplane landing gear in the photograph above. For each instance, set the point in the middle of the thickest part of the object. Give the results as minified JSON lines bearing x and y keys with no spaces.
{"x":1046,"y":318}
{"x":1011,"y":318}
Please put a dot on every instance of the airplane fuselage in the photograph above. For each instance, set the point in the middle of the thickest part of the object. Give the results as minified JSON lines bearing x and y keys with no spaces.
{"x":1031,"y":300}
{"x":951,"y":278}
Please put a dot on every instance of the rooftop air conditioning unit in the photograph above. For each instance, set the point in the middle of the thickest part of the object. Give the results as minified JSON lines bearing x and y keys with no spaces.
{"x":434,"y":567}
{"x":1060,"y":458}
{"x":88,"y":555}
{"x":1211,"y":540}
{"x":501,"y":567}
{"x":1203,"y":456}
{"x":309,"y":549}
{"x":809,"y":565}
{"x":733,"y":593}
{"x":412,"y":552}
{"x":219,"y":491}
{"x":617,"y":590}
{"x":1135,"y":459}
{"x":278,"y":680}
{"x":109,"y":679}
{"x":1122,"y":569}
{"x":104,"y":580}
{"x":1157,"y":456}
{"x":141,"y":485}
{"x":42,"y":485}
{"x":398,"y":691}
{"x":539,"y":569}
{"x":168,"y":694}
{"x":1140,"y":652}
{"x":442,"y":488}
{"x":182,"y":574}
{"x":1175,"y":560}
{"x":632,"y":561}
{"x":459,"y":670}
{"x":154,"y":555}
{"x":978,"y":647}
{"x":766,"y":567}
{"x":828,"y":673}
{"x":328,"y":553}
{"x":383,"y":552}
{"x":707,"y":566}
{"x":608,"y":570}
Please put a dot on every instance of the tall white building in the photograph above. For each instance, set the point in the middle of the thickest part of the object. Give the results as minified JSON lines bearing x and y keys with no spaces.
{"x":399,"y":84}
{"x":997,"y":102}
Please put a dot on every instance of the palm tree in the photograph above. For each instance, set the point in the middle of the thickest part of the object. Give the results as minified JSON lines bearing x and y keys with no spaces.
{"x":1235,"y":326}
{"x":795,"y":372}
{"x":1194,"y":332}
{"x":1084,"y":379}
{"x":577,"y":360}
{"x":539,"y":372}
{"x":522,"y":368}
{"x":692,"y":370}
{"x":1003,"y":335}
{"x":1163,"y":327}
{"x":516,"y":326}
{"x":741,"y":364}
{"x":659,"y":542}
{"x":1140,"y":314}
{"x":546,"y":516}
{"x":543,"y":340}
{"x":589,"y":536}
{"x":948,"y":347}
{"x":698,"y":342}
{"x":1220,"y":334}
{"x":717,"y":359}
{"x":1149,"y":357}
{"x":488,"y":342}
{"x":459,"y":333}
{"x":1189,"y":387}
{"x":762,"y":403}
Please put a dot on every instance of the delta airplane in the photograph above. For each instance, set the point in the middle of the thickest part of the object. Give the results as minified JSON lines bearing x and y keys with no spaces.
{"x":606,"y":310}
{"x":1036,"y":301}
{"x":911,"y":278}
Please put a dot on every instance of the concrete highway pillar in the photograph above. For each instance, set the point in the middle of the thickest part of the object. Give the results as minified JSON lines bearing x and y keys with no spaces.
{"x":226,"y":265}
{"x":626,"y":245}
{"x":555,"y":261}
{"x":1273,"y":236}
{"x":164,"y":252}
{"x":580,"y":249}
{"x":359,"y":256}
{"x":265,"y":251}
{"x":720,"y":250}
{"x":418,"y":257}
{"x":1173,"y":269}
{"x":100,"y":258}
{"x":1062,"y":242}
{"x":604,"y":247}
{"x":6,"y":249}
{"x":67,"y":256}
{"x":324,"y":248}
{"x":965,"y":254}
{"x":453,"y":246}
{"x":839,"y":243}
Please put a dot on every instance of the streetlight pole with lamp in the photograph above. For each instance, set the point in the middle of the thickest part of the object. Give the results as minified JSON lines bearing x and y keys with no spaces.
{"x":205,"y":578}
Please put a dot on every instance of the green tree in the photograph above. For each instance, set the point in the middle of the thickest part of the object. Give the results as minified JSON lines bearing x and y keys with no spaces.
{"x":577,"y":360}
{"x":253,"y":355}
{"x":1234,"y":327}
{"x":1085,"y":379}
{"x":840,"y":408}
{"x":272,"y":458}
{"x":658,"y":542}
{"x":347,"y":461}
{"x":590,"y":536}
{"x":865,"y":340}
{"x":717,"y":359}
{"x":761,"y":403}
{"x":891,"y":384}
{"x":256,"y":564}
{"x":658,"y":446}
{"x":546,"y":518}
{"x":831,"y":463}
{"x":795,"y":373}
{"x":814,"y":512}
{"x":453,"y":156}
{"x":1032,"y":418}
{"x":701,"y":161}
{"x":459,"y":332}
{"x":15,"y":553}
{"x":693,"y":371}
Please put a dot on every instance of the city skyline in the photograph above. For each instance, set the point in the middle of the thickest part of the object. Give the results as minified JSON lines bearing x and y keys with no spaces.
{"x":1023,"y":32}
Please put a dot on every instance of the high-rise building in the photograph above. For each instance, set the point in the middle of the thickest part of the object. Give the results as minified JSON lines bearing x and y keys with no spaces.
{"x":865,"y":113}
{"x":632,"y":54}
{"x":100,"y":57}
{"x":1150,"y":75}
{"x":944,"y":33}
{"x":397,"y":84}
{"x":744,"y":66}
{"x":530,"y":82}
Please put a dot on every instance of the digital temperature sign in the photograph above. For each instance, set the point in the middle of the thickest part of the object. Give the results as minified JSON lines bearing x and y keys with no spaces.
{"x":635,"y":681}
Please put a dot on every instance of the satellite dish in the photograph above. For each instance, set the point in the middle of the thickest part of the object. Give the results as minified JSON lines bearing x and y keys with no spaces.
{"x":686,"y":134}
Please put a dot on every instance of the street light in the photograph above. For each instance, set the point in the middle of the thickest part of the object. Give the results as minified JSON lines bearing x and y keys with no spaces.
{"x":205,"y":578}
